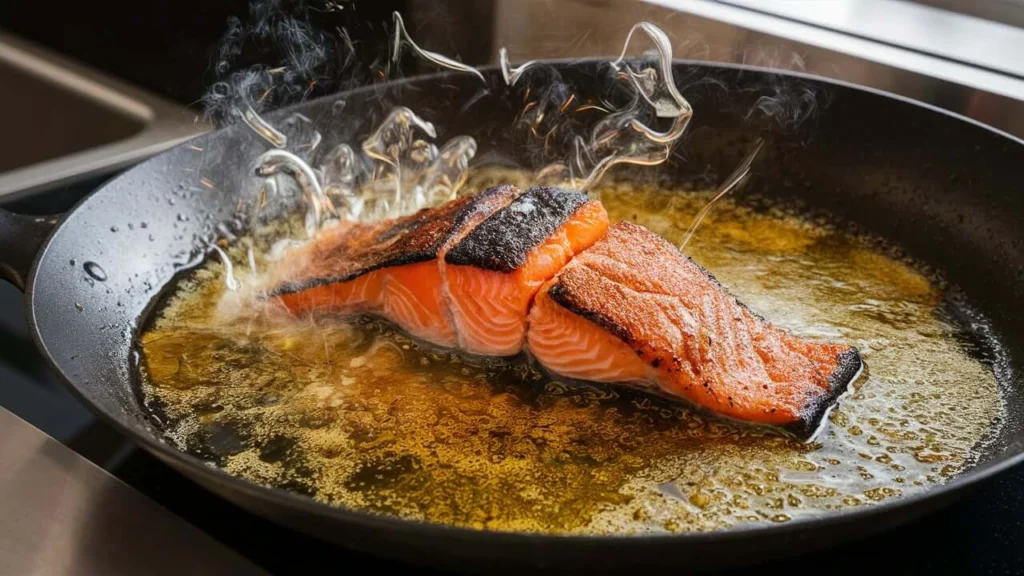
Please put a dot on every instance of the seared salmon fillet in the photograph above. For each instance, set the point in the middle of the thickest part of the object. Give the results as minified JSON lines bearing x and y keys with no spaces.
{"x":391,"y":269}
{"x":633,"y":309}
{"x":493,"y":273}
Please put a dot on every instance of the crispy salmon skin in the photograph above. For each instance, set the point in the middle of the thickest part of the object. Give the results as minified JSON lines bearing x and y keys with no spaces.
{"x":460,"y":275}
{"x":633,"y":309}
{"x":392,"y":268}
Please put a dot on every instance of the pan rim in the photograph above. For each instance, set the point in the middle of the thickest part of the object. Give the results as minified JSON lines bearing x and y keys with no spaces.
{"x":308,"y":505}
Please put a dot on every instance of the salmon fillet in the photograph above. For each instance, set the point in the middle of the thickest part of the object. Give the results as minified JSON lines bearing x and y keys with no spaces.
{"x":391,"y":269}
{"x":493,"y":273}
{"x":633,"y":309}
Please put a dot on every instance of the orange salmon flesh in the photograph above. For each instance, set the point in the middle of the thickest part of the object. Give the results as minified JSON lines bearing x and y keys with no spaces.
{"x":541,"y":271}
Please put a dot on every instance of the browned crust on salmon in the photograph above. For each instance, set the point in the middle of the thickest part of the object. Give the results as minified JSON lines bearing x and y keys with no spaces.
{"x":355,"y":249}
{"x":848,"y":366}
{"x":604,"y":285}
{"x":502,"y":242}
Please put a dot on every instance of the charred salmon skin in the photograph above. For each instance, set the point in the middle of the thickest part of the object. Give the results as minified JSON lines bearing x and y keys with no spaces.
{"x":493,"y":273}
{"x":633,"y":309}
{"x":391,"y":269}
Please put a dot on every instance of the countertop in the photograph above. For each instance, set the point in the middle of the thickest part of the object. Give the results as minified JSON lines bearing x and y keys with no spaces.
{"x":64,"y":515}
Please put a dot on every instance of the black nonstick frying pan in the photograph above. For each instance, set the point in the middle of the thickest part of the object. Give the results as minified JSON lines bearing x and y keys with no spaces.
{"x":945,"y":189}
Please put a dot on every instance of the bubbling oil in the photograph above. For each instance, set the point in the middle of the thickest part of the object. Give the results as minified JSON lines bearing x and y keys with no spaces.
{"x":353,"y":413}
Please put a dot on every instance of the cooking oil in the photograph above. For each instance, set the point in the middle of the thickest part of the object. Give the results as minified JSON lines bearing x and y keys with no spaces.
{"x":354,"y":413}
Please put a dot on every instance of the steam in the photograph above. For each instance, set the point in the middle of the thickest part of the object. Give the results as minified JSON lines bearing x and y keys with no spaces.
{"x":399,"y":170}
{"x":738,"y":177}
{"x":291,"y":57}
{"x":791,"y":101}
{"x":229,"y":269}
{"x":630,"y":135}
{"x":402,"y":38}
{"x":338,"y":172}
{"x":261,"y":127}
{"x":508,"y":73}
{"x":409,"y":173}
{"x":400,"y":167}
{"x":320,"y":206}
{"x":578,"y":137}
{"x":791,"y":104}
{"x":277,"y":57}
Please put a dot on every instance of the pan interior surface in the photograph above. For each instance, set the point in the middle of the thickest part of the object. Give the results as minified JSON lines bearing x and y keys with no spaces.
{"x":941,"y":189}
{"x":353,"y":413}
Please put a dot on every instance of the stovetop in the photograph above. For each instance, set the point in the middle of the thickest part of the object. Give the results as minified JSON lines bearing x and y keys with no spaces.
{"x":983,"y":533}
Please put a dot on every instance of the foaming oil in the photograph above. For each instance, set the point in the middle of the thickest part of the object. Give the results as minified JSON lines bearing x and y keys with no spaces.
{"x":353,"y":413}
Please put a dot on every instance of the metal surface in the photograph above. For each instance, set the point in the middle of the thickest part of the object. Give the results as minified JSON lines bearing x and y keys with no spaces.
{"x":1009,"y":12}
{"x":943,"y":188}
{"x":956,"y":37}
{"x":62,"y":515}
{"x":713,"y":31}
{"x":71,"y":122}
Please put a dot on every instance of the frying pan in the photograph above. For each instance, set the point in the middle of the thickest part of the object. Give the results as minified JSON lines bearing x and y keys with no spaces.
{"x":943,"y":188}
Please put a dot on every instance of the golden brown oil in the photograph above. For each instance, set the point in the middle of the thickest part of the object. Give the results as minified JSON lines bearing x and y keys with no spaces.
{"x":353,"y":413}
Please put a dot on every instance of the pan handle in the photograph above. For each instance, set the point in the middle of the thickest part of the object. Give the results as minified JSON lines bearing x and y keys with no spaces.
{"x":21,"y":238}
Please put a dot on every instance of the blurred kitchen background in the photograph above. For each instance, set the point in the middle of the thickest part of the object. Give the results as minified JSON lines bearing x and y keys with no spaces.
{"x":91,"y":86}
{"x":87,"y":89}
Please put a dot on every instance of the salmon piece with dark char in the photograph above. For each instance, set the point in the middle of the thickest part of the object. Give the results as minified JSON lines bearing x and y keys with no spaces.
{"x":391,"y":269}
{"x":633,"y":309}
{"x":492,"y":275}
{"x":462,"y":275}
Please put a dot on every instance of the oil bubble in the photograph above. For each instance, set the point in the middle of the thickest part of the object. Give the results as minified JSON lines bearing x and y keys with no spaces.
{"x":95,"y":271}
